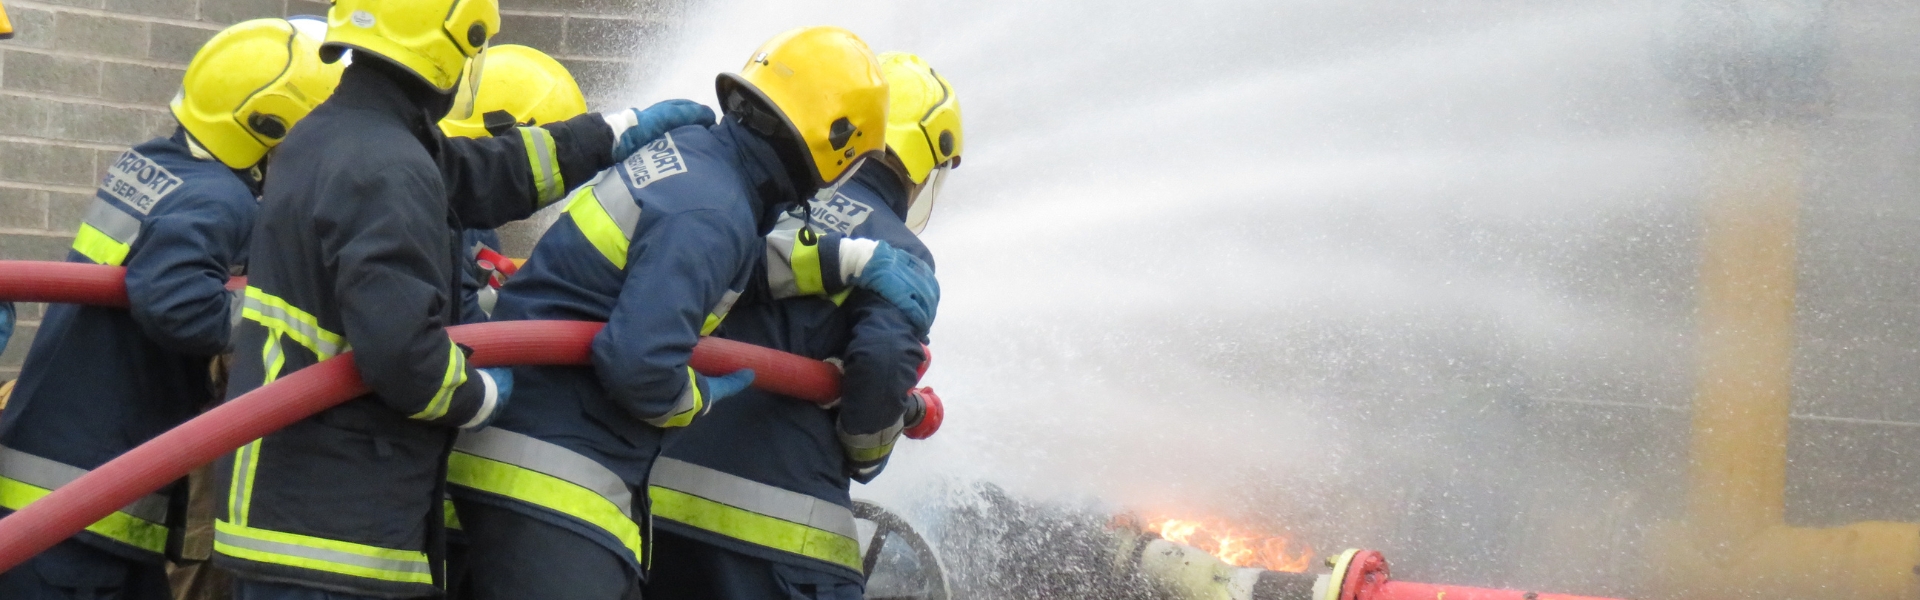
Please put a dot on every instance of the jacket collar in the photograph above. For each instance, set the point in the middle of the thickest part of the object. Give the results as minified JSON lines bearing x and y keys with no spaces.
{"x":369,"y":85}
{"x":773,"y":187}
{"x":885,"y":184}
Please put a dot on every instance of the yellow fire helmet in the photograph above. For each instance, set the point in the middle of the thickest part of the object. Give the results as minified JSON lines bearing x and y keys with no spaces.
{"x":525,"y":83}
{"x":245,"y":88}
{"x":818,"y":86}
{"x":441,"y":41}
{"x":923,"y":130}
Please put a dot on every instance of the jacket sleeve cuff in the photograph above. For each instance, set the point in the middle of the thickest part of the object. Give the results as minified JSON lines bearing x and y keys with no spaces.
{"x":851,"y":256}
{"x":585,"y":147}
{"x":489,"y":402}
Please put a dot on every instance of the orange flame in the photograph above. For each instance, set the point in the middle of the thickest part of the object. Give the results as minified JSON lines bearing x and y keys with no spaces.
{"x":1238,"y":547}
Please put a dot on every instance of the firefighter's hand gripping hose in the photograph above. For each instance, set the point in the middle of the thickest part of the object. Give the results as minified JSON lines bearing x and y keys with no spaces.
{"x":308,"y":391}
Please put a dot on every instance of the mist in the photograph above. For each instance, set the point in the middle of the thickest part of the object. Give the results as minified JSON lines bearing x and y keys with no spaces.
{"x":1415,"y":276}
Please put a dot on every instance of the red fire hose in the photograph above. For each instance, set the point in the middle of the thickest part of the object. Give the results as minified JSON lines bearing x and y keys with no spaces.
{"x":308,"y":391}
{"x":1363,"y":575}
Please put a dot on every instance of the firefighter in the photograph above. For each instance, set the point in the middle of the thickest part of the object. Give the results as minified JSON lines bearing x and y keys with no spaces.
{"x":521,"y":86}
{"x":357,"y":247}
{"x":176,"y":212}
{"x":751,"y":502}
{"x":661,"y":248}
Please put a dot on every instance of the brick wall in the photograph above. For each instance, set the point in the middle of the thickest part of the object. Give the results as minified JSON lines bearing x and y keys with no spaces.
{"x":84,"y":79}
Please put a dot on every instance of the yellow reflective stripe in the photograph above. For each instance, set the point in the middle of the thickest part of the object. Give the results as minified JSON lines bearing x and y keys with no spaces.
{"x":452,"y":379}
{"x":321,"y":554}
{"x":272,"y":356}
{"x":547,"y":491}
{"x":543,"y":163}
{"x":599,"y":227}
{"x":119,"y":526}
{"x":720,"y":311}
{"x":754,"y":528}
{"x":276,"y":314}
{"x":240,"y":496}
{"x":448,"y":515}
{"x":806,"y":265}
{"x":869,"y":454}
{"x":98,"y":247}
{"x":685,"y":417}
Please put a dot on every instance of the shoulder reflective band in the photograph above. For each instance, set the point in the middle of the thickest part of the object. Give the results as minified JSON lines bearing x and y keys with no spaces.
{"x":543,"y":163}
{"x":685,"y":408}
{"x":320,"y":554}
{"x":605,"y":212}
{"x":25,"y":478}
{"x":544,"y":474}
{"x":106,"y":234}
{"x":754,"y":512}
{"x":454,"y":377}
{"x":279,"y":316}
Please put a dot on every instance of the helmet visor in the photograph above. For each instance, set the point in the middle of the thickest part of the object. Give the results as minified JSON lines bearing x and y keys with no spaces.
{"x":469,"y":86}
{"x":920,"y":210}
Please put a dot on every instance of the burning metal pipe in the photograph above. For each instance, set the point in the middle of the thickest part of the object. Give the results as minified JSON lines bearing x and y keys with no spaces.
{"x":1188,"y":573}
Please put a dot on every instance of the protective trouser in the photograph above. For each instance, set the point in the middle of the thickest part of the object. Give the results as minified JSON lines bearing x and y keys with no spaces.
{"x":684,"y":567}
{"x":75,"y":571}
{"x":569,"y":566}
{"x":250,"y":589}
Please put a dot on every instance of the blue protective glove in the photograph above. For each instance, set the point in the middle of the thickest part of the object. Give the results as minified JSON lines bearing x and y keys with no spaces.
{"x":728,"y":385}
{"x":905,"y":281}
{"x":503,"y":391}
{"x":6,"y":324}
{"x":657,"y":120}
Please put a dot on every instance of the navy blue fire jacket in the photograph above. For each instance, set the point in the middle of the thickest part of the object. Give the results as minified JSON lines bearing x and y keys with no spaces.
{"x":660,"y":247}
{"x":357,"y":247}
{"x":99,"y":381}
{"x":758,"y":446}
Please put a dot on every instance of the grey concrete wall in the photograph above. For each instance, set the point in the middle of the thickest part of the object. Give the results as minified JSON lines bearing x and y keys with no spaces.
{"x":84,"y":79}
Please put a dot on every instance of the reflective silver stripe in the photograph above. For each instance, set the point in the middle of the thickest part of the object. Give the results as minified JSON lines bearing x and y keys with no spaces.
{"x":753,"y":496}
{"x":524,"y":451}
{"x":725,"y":305}
{"x":617,"y":200}
{"x":116,"y":223}
{"x":235,"y":299}
{"x":878,"y":439}
{"x":52,"y":475}
{"x":781,"y":282}
{"x":323,"y":554}
{"x":546,"y":178}
{"x":293,"y":323}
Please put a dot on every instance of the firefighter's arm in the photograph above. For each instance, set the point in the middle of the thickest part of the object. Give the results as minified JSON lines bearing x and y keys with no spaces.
{"x":802,"y":262}
{"x":881,"y":364}
{"x":496,"y":180}
{"x":676,"y":272}
{"x":390,"y":248}
{"x":176,"y":284}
